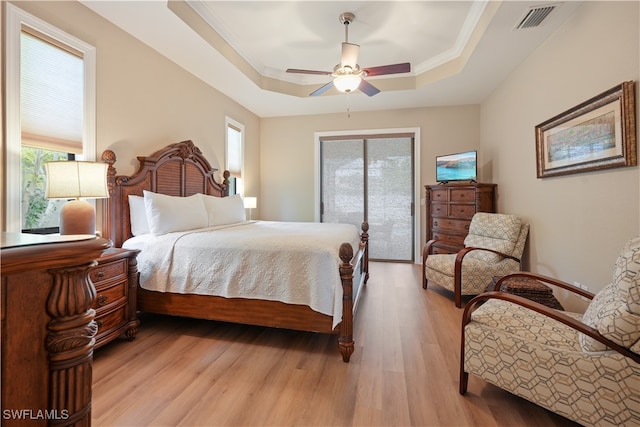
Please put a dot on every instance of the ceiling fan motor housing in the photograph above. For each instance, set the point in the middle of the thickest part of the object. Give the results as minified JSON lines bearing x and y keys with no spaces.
{"x":346,"y":18}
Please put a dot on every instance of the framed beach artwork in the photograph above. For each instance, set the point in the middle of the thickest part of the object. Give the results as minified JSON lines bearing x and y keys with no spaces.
{"x":598,"y":134}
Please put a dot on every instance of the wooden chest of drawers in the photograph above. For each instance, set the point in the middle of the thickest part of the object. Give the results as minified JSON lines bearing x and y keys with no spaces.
{"x":450,"y":208}
{"x":115,"y":279}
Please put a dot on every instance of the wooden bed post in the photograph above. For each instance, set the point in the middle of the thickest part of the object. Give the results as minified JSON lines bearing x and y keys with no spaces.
{"x":345,"y":342}
{"x":108,"y":205}
{"x":364,"y":238}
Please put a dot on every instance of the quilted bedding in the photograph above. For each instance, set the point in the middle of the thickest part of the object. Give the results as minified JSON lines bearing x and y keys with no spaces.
{"x":291,"y":262}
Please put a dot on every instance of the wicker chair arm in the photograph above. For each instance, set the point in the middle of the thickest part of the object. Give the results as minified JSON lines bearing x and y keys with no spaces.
{"x":545,"y":279}
{"x":549,"y":312}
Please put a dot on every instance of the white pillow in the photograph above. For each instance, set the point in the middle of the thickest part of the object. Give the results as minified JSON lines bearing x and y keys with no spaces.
{"x":224,"y":210}
{"x":166,"y":214}
{"x":138,"y":216}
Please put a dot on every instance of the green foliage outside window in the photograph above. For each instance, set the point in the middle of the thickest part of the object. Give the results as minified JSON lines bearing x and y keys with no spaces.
{"x":37,"y":211}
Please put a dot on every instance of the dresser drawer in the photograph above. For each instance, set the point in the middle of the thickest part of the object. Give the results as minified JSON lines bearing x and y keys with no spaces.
{"x":458,"y":210}
{"x":463,"y":195}
{"x":109,"y":295}
{"x":450,"y":239}
{"x":443,"y":249}
{"x":439,"y":209}
{"x":440,"y":195}
{"x":459,"y":225}
{"x":110,"y":321}
{"x":108,"y":271}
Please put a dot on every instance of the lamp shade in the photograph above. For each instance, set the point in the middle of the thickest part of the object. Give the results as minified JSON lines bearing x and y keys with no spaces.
{"x":250,"y":202}
{"x":346,"y":82}
{"x":74,"y":180}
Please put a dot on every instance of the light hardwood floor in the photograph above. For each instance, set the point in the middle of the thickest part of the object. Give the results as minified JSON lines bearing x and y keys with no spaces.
{"x":404,"y":370}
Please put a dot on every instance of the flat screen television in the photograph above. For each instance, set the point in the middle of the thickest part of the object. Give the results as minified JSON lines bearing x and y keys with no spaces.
{"x":457,"y":167}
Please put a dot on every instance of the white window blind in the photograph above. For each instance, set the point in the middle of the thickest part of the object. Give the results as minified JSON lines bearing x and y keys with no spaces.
{"x":234,"y":150}
{"x":51,"y":95}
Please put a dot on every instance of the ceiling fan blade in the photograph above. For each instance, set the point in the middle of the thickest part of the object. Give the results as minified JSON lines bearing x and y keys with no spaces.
{"x":297,"y":71}
{"x":322,"y":89}
{"x":349,"y":55}
{"x":405,"y":67}
{"x":368,"y":88}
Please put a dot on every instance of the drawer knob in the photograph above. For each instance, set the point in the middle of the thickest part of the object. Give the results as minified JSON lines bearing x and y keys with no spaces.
{"x":99,"y":323}
{"x":100,"y":275}
{"x":102,"y":300}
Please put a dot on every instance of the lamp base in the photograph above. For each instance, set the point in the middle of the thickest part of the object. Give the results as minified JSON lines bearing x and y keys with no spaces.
{"x":77,"y":217}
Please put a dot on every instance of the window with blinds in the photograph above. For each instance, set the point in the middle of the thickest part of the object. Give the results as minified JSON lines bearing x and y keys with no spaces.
{"x":234,"y":155}
{"x":49,"y":100}
{"x":51,"y":116}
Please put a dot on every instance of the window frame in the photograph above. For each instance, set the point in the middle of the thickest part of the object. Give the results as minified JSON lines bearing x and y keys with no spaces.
{"x":15,"y":20}
{"x":237,"y":183}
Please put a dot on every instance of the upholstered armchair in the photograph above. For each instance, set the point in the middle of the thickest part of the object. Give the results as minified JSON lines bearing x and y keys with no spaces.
{"x":585,"y":367}
{"x":493,"y":247}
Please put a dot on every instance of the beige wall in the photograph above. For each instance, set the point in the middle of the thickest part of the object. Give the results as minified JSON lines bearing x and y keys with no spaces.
{"x":145,"y":101}
{"x":578,"y":222}
{"x":288,"y":157}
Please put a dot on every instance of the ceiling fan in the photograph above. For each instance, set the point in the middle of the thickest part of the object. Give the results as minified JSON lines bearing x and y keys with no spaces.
{"x":347,"y":75}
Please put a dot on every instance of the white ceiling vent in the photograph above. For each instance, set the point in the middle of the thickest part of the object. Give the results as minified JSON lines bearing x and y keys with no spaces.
{"x":535,"y":15}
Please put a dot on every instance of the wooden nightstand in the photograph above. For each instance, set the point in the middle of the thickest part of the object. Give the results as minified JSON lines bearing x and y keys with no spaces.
{"x":115,"y":279}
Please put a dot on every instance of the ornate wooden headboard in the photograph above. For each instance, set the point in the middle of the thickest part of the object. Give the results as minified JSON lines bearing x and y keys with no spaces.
{"x":177,"y":170}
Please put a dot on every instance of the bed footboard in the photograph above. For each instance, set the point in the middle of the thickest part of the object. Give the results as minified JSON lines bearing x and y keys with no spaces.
{"x":354,"y":273}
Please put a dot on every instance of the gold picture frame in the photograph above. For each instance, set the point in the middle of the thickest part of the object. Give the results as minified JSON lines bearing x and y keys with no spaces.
{"x":598,"y":134}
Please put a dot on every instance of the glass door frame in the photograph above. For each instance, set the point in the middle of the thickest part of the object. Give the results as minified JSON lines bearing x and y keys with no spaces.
{"x":417,"y":250}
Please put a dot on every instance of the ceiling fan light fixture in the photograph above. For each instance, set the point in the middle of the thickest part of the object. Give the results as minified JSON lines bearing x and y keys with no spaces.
{"x":347,"y":82}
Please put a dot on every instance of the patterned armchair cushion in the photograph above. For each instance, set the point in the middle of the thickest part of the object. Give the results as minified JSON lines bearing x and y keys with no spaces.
{"x":476,"y":273}
{"x":526,"y":324}
{"x":499,"y":232}
{"x":615,"y":310}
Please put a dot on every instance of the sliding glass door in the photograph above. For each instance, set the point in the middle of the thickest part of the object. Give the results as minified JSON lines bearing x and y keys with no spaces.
{"x":371,"y":179}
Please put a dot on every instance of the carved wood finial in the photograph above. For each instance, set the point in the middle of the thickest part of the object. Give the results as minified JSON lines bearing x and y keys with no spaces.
{"x":108,"y":156}
{"x":186,"y":149}
{"x":346,"y":253}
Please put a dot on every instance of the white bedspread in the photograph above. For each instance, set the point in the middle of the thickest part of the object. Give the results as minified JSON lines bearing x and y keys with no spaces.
{"x":291,"y":262}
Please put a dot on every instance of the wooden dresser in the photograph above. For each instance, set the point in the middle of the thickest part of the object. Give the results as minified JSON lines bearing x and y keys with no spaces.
{"x":115,"y":279}
{"x":47,"y":328}
{"x":450,"y":208}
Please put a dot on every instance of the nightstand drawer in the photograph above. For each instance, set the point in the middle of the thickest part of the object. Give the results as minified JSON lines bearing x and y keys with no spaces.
{"x":110,"y":321}
{"x":110,"y":295}
{"x":115,"y":279}
{"x":111,"y":270}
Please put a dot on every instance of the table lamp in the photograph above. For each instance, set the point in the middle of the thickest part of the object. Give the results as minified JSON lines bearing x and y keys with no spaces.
{"x":77,"y":180}
{"x":250,"y":203}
